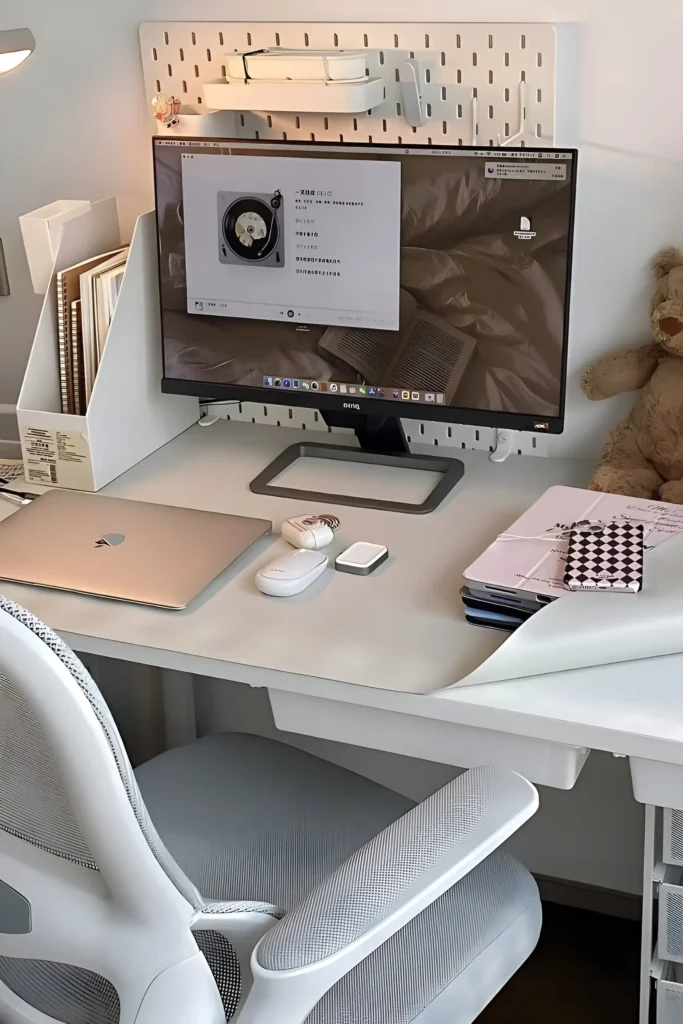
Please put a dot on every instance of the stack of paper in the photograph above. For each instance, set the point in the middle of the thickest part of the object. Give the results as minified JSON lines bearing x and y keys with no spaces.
{"x":86,"y":299}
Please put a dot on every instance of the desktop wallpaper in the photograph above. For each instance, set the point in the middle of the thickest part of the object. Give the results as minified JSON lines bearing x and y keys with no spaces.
{"x":483,"y":278}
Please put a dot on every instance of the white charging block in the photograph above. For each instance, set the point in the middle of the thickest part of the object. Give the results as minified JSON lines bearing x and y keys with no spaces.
{"x":361,"y":558}
{"x":291,"y":573}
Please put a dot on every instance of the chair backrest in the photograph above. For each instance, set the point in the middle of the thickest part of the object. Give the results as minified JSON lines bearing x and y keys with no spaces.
{"x":92,"y":906}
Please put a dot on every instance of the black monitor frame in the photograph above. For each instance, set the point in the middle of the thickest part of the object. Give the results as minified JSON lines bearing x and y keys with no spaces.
{"x":342,"y":410}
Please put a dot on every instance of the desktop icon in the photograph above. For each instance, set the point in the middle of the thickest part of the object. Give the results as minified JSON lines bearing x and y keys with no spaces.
{"x":397,"y":394}
{"x":415,"y":396}
{"x":295,"y":383}
{"x":440,"y":399}
{"x":430,"y":398}
{"x":380,"y":392}
{"x":315,"y":386}
{"x":333,"y":387}
{"x":286,"y":383}
{"x":352,"y":391}
{"x":372,"y":391}
{"x":277,"y":382}
{"x":362,"y":391}
{"x":267,"y":382}
{"x":405,"y":394}
{"x":342,"y":389}
{"x":305,"y":385}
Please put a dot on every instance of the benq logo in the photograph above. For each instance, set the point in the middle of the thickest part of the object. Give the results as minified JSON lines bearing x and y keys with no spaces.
{"x":351,"y":405}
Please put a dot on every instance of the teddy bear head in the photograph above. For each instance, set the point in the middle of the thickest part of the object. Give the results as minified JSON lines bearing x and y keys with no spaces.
{"x":667,"y":308}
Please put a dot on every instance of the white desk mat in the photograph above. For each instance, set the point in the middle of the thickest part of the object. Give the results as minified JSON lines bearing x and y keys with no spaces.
{"x":583,"y":630}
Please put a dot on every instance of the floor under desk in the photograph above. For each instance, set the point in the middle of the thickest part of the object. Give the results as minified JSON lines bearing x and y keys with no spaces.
{"x":585,"y":968}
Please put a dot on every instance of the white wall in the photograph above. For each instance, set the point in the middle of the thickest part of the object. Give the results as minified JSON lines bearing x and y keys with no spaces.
{"x":73,"y":124}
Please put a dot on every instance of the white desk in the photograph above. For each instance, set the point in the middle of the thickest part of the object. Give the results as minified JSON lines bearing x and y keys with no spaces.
{"x":365,"y":643}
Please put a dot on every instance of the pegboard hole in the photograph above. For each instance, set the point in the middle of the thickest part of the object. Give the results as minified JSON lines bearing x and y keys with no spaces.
{"x":444,"y":127}
{"x":539,"y":95}
{"x":312,"y":136}
{"x":170,"y":70}
{"x":194,"y":38}
{"x":507,"y":95}
{"x":182,"y":53}
{"x":429,"y":110}
{"x":166,"y":38}
{"x":490,"y":112}
{"x":474,"y":93}
{"x":196,"y":71}
{"x":476,"y":435}
{"x":277,"y":38}
{"x":443,"y":59}
{"x":523,"y":76}
{"x":458,"y":77}
{"x":365,"y":39}
{"x":208,"y":54}
{"x":284,"y":136}
{"x":490,"y":42}
{"x":384,"y":125}
{"x":257,"y":135}
{"x":327,"y":123}
{"x":184,"y":85}
{"x":507,"y":60}
{"x":223,"y":71}
{"x":336,"y":40}
{"x":426,"y":42}
{"x":341,"y":137}
{"x":450,"y":431}
{"x":370,"y":139}
{"x":507,"y":129}
{"x":305,"y":38}
{"x":248,"y":38}
{"x":443,"y":92}
{"x":490,"y":77}
{"x":458,"y":41}
{"x":459,"y":109}
{"x":474,"y":60}
{"x":270,"y":121}
{"x":355,"y":124}
{"x":298,"y":121}
{"x":220,"y":39}
{"x":398,"y":109}
{"x":414,"y":131}
{"x":428,"y":75}
{"x":154,"y":53}
{"x":429,"y":141}
{"x":539,"y":60}
{"x":399,"y":140}
{"x":242,"y":120}
{"x":422,"y":428}
{"x":522,"y":42}
{"x":381,"y":56}
{"x":199,"y":99}
{"x":397,"y":75}
{"x":395,"y":40}
{"x":159,"y":86}
{"x":411,"y":54}
{"x":539,"y":132}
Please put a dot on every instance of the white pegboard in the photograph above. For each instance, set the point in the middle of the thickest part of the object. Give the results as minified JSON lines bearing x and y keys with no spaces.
{"x":459,"y":62}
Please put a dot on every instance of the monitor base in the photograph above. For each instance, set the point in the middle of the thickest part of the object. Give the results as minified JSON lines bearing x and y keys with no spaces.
{"x":389,"y":449}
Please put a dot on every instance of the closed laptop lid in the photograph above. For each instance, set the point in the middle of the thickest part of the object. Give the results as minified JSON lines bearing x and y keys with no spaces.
{"x":127,"y":550}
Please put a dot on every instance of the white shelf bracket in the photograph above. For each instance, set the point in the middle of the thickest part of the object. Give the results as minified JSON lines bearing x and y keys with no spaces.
{"x":506,"y":443}
{"x":522,"y":118}
{"x":410,"y":78}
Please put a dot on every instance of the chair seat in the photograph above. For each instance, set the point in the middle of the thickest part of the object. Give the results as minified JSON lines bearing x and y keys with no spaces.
{"x":248,"y":818}
{"x":252,"y":819}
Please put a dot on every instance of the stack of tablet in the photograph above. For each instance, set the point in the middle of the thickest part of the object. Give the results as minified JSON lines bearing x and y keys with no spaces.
{"x":498,"y":608}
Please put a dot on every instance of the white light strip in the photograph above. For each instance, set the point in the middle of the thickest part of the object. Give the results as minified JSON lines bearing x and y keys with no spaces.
{"x":15,"y":46}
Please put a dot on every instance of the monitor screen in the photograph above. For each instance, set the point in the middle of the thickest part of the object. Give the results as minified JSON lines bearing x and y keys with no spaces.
{"x":412,"y":281}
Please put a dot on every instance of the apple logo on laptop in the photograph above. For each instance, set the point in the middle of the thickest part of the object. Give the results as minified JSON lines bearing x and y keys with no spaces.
{"x":110,"y":540}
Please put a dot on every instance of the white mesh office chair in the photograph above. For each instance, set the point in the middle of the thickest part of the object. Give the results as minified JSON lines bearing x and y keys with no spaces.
{"x":285,"y":890}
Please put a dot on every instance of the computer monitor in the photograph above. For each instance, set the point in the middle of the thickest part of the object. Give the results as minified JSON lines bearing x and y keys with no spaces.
{"x":370,"y":282}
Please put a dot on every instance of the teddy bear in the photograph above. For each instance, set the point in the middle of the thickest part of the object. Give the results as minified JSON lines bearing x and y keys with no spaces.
{"x":643,"y":457}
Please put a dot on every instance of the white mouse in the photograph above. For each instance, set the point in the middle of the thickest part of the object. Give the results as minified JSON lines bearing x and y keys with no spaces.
{"x":291,"y":573}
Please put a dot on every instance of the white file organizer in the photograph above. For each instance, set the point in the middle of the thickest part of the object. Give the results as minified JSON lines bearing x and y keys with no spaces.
{"x":128,"y":417}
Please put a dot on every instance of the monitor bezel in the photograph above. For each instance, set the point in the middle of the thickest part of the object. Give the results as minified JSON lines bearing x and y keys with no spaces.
{"x":460,"y":415}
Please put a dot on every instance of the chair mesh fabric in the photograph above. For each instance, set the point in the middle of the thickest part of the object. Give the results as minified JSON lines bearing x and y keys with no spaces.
{"x":225,"y":967}
{"x":34,"y":805}
{"x":395,"y":983}
{"x":365,"y":886}
{"x":68,"y":994}
{"x":274,"y":823}
{"x":103,"y":715}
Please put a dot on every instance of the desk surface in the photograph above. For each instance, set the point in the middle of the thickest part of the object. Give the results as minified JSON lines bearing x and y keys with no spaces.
{"x":391,"y":640}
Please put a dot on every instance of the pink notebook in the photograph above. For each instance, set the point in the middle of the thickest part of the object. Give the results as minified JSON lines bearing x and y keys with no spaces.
{"x":532,"y":554}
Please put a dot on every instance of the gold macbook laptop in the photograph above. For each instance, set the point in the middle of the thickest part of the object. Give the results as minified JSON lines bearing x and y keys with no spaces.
{"x":127,"y":550}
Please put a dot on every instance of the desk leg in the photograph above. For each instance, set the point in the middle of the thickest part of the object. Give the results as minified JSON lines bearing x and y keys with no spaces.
{"x":646,"y":936}
{"x":179,"y":713}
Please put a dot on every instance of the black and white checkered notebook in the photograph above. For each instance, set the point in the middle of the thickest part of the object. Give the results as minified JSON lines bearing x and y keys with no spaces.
{"x":608,"y":559}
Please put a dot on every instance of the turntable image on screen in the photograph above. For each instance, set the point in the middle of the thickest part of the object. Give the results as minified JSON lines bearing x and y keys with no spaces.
{"x":251,"y":229}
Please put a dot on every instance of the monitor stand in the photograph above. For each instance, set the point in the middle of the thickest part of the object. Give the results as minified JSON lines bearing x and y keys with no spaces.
{"x":382,"y":443}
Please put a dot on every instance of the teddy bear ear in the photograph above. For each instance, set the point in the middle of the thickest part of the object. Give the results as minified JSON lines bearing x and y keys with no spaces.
{"x":666,"y":261}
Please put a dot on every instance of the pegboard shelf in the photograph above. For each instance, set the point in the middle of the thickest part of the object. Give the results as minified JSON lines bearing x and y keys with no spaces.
{"x":479,"y":81}
{"x":321,"y":97}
